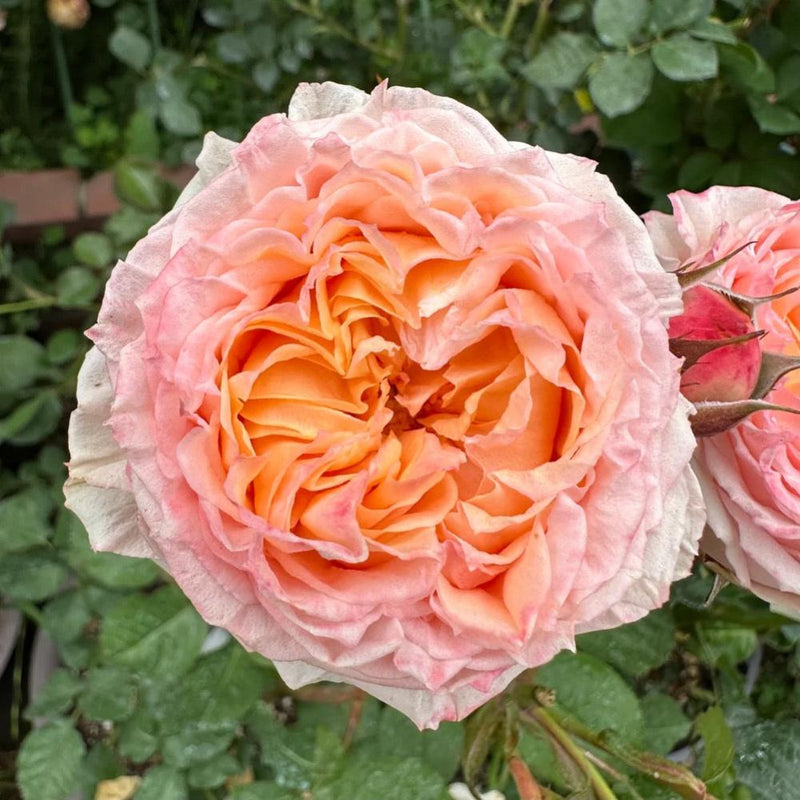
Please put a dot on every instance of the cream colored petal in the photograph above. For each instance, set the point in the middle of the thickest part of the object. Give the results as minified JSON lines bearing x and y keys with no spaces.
{"x":213,"y":159}
{"x":427,"y":709}
{"x":97,"y":489}
{"x":670,"y":248}
{"x":321,"y":100}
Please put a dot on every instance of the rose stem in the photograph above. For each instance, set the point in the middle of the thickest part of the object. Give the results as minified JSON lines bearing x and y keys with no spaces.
{"x":62,"y":71}
{"x":598,"y":783}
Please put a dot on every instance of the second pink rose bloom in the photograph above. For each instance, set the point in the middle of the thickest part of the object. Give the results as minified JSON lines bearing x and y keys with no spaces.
{"x":392,"y":399}
{"x":750,"y":474}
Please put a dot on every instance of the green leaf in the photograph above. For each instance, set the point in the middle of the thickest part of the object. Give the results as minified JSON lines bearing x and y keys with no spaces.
{"x":291,"y":751}
{"x":56,"y":696}
{"x":593,"y":693}
{"x":63,"y":346}
{"x":180,"y":117}
{"x":670,"y":15}
{"x":94,"y":249}
{"x":32,"y":575}
{"x":162,"y":783}
{"x":130,"y":224}
{"x":697,"y":172}
{"x":387,"y":777}
{"x":260,"y":790}
{"x":138,"y":737}
{"x":266,"y":75}
{"x":21,"y":362}
{"x":725,"y":644}
{"x":656,"y":122}
{"x":787,"y":81}
{"x":130,"y":47}
{"x":139,"y":186}
{"x":233,"y":47}
{"x":158,"y":634}
{"x":101,"y":763}
{"x":49,"y":762}
{"x":77,"y":286}
{"x":111,"y":693}
{"x":788,"y":20}
{"x":262,"y":39}
{"x":633,"y":649}
{"x":767,"y":755}
{"x":217,"y":16}
{"x":141,"y":137}
{"x":396,"y":735}
{"x":65,"y":617}
{"x":682,"y":58}
{"x":713,"y":30}
{"x":664,"y":723}
{"x":718,"y":750}
{"x":196,"y":742}
{"x":773,"y":117}
{"x":621,"y":83}
{"x":33,"y":420}
{"x":617,"y":22}
{"x":24,"y":520}
{"x":212,"y":773}
{"x":745,"y":68}
{"x":561,"y":62}
{"x":222,"y":686}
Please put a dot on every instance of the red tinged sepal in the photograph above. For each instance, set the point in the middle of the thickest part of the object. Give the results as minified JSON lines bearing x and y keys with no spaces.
{"x":773,"y":367}
{"x":711,"y":418}
{"x":689,"y":276}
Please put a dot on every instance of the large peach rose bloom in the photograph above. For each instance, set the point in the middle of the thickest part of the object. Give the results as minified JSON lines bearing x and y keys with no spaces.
{"x":391,"y":399}
{"x":750,"y":475}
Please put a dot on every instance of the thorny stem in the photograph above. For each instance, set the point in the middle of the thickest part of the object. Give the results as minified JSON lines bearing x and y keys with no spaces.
{"x":678,"y":778}
{"x":601,"y":789}
{"x":614,"y":773}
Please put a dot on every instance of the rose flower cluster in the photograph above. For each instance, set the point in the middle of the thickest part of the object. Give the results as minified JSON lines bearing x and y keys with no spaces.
{"x":397,"y":402}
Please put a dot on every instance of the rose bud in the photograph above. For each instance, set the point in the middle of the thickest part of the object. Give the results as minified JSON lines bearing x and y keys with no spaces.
{"x":69,"y":14}
{"x":391,"y":398}
{"x":747,"y":242}
{"x":714,"y":370}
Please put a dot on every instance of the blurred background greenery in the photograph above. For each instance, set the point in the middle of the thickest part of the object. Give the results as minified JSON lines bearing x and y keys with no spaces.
{"x":664,"y":94}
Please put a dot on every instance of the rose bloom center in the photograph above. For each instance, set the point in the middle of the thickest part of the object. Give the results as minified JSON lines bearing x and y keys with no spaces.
{"x":332,"y":429}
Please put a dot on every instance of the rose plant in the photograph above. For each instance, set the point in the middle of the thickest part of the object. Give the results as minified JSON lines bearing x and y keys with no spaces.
{"x":391,"y":399}
{"x":747,"y":389}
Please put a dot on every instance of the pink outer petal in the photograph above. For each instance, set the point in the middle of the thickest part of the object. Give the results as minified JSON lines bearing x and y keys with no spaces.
{"x":749,"y":475}
{"x":427,"y":709}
